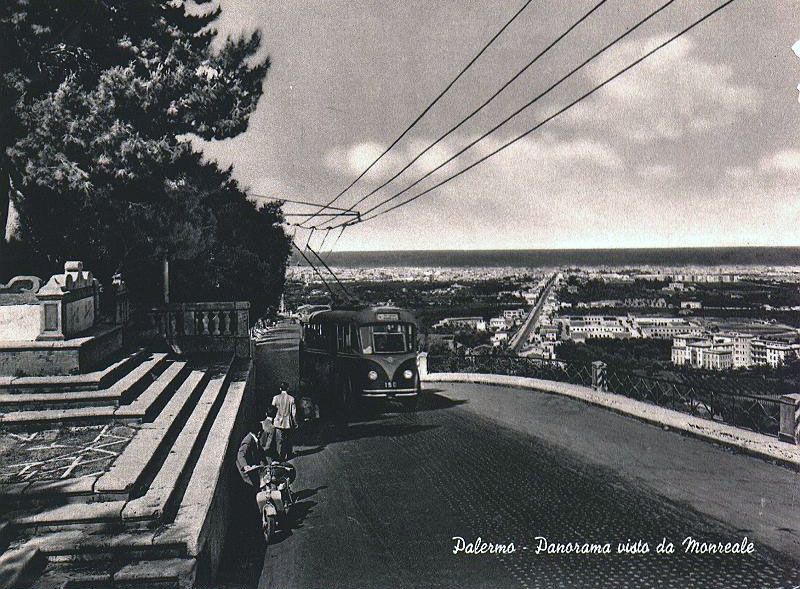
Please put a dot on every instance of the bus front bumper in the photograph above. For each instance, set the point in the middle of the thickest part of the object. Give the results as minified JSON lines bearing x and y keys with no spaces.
{"x":384,"y":393}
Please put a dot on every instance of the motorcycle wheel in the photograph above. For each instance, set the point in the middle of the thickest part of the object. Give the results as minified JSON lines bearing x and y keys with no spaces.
{"x":268,"y":527}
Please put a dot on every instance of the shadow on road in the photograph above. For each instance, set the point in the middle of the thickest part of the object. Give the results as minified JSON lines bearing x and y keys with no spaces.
{"x":299,"y":512}
{"x":430,"y":401}
{"x":358,"y":431}
{"x":306,"y":493}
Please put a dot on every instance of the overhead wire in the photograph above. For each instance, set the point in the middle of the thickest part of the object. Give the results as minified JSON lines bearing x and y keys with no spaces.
{"x":423,"y":113}
{"x":332,"y":273}
{"x":466,"y":119}
{"x":314,"y":268}
{"x":527,"y":105}
{"x":367,"y":217}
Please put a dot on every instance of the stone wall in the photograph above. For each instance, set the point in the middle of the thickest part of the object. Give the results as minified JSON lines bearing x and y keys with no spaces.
{"x":19,"y":322}
{"x":19,"y":309}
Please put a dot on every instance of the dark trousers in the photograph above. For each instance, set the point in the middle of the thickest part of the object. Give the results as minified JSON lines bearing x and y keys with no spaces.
{"x":283,"y":440}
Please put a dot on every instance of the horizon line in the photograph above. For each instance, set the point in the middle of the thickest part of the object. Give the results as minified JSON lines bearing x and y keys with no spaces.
{"x":566,"y":249}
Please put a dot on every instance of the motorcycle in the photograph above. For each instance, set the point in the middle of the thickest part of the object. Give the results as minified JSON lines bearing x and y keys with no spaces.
{"x":274,"y":495}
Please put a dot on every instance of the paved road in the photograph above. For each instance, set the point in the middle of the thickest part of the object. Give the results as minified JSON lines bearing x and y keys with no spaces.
{"x":382,"y":497}
{"x":520,"y":338}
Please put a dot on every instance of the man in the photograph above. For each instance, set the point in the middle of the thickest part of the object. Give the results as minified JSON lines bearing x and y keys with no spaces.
{"x":285,"y":421}
{"x":252,"y":452}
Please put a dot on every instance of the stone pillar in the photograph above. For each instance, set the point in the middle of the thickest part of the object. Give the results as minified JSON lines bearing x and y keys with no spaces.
{"x":790,"y":418}
{"x":96,"y":303}
{"x":599,"y":382}
{"x":121,"y":303}
{"x":422,"y":364}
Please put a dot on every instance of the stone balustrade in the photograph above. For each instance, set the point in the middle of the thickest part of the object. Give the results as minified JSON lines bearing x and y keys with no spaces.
{"x":204,"y":327}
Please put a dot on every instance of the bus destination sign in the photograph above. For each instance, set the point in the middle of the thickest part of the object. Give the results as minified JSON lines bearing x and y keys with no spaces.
{"x":387,"y":316}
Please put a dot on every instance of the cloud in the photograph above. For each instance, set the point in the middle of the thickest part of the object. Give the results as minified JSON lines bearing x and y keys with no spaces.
{"x":785,"y":161}
{"x":657,"y":172}
{"x":671,"y":94}
{"x":354,"y":159}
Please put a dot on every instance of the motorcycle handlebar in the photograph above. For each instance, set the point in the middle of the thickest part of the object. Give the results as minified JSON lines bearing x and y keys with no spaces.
{"x":247,"y":469}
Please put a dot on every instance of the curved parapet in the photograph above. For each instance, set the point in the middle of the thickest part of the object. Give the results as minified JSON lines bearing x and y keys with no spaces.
{"x":20,"y":290}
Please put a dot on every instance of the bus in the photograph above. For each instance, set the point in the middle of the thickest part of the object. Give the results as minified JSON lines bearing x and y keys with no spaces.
{"x":352,"y":355}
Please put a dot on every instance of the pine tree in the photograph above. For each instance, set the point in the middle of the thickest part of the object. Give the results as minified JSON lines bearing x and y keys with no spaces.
{"x":101,"y":96}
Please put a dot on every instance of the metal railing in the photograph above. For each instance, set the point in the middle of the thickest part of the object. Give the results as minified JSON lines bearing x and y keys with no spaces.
{"x":557,"y":370}
{"x":752,"y":411}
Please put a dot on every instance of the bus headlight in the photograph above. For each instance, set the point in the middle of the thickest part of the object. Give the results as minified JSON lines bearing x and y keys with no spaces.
{"x":372,"y":375}
{"x":408,"y":375}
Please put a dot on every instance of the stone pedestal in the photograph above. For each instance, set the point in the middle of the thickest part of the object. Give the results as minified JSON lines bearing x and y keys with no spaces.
{"x":599,"y":382}
{"x":422,"y":364}
{"x":52,"y":331}
{"x":68,"y":303}
{"x":790,"y":418}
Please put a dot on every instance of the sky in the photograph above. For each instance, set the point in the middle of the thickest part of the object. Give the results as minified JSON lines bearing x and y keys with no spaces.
{"x":696,"y":146}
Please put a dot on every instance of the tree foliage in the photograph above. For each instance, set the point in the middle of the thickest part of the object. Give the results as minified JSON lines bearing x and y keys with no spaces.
{"x":102,"y":100}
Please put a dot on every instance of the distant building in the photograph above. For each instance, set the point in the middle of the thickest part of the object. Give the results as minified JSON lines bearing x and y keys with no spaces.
{"x":514,"y":314}
{"x":691,"y":305}
{"x":499,"y":338}
{"x":664,"y":327}
{"x":772,"y":353}
{"x":722,"y":352}
{"x":496,"y":323}
{"x":742,"y":350}
{"x":594,"y":326}
{"x":709,"y":353}
{"x":476,"y":323}
{"x":549,"y":333}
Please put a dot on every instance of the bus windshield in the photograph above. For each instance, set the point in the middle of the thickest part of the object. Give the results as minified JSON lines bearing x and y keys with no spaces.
{"x":387,"y":338}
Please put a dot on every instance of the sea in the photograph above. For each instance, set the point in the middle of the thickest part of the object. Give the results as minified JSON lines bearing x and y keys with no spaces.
{"x":580,"y":258}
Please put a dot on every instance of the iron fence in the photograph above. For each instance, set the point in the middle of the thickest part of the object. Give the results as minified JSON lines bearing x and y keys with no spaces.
{"x":747,"y":410}
{"x":557,"y":370}
{"x":757,"y":412}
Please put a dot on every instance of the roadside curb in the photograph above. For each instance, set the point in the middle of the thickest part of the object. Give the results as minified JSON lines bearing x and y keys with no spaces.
{"x":755,"y":444}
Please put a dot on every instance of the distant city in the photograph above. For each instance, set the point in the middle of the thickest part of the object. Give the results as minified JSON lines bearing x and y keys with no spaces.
{"x":717,"y":318}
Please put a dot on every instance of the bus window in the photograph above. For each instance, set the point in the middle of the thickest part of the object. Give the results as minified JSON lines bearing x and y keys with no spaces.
{"x":366,"y":340}
{"x":345,"y":338}
{"x":387,"y":338}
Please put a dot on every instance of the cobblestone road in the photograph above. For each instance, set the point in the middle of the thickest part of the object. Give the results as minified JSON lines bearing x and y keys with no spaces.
{"x":381,"y":499}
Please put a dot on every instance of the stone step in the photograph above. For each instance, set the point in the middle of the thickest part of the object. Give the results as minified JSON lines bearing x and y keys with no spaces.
{"x":165,"y":573}
{"x":154,"y":397}
{"x":97,"y":542}
{"x":196,"y":520}
{"x":92,"y":398}
{"x":40,"y":402}
{"x":71,"y":514}
{"x":174,"y":573}
{"x":137,"y":380}
{"x":95,"y":380}
{"x":20,"y":567}
{"x":127,"y":387}
{"x":177,"y":466}
{"x":164,"y":487}
{"x":146,"y":451}
{"x":6,"y":535}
